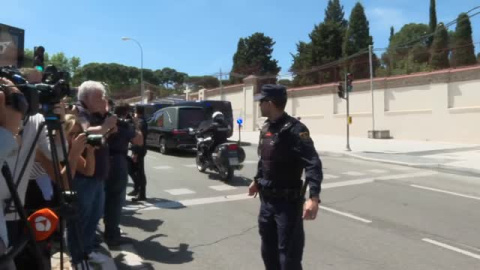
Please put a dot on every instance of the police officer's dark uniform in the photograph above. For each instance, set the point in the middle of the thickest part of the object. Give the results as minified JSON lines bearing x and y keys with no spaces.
{"x":285,"y":150}
{"x":138,"y":167}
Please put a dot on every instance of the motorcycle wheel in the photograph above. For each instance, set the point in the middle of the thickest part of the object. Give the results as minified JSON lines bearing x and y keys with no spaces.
{"x":226,"y":174}
{"x":201,"y":166}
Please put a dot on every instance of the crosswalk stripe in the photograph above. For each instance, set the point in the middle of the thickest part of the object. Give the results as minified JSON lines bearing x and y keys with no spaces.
{"x":352,"y":173}
{"x":250,"y":162}
{"x":377,"y":171}
{"x":329,"y":176}
{"x":222,"y":187}
{"x":164,"y":167}
{"x":190,"y":165}
{"x":180,"y":191}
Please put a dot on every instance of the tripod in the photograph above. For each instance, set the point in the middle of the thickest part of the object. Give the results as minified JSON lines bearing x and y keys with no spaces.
{"x":67,"y":200}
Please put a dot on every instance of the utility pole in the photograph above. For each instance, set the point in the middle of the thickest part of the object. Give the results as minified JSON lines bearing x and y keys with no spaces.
{"x":221,"y":85}
{"x":348,"y":83}
{"x":370,"y":49}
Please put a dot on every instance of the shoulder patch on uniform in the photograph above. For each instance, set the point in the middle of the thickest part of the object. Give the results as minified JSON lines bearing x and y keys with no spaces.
{"x":304,"y":135}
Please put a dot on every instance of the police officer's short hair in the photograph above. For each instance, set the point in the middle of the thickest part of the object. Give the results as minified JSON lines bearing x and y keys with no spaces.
{"x":280,"y":103}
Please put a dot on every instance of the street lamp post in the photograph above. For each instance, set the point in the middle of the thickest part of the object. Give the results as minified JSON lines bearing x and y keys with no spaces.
{"x":141,"y":66}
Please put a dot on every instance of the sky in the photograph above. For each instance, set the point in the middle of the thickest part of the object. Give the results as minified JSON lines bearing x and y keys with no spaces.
{"x":199,"y":37}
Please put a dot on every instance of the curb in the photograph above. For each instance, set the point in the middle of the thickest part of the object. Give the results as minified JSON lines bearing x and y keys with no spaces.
{"x":431,"y":166}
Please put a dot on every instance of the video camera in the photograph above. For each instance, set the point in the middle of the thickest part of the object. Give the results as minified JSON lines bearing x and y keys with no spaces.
{"x":41,"y":96}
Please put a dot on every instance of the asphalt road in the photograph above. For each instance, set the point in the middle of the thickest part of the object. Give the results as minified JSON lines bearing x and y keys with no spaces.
{"x":373,"y":216}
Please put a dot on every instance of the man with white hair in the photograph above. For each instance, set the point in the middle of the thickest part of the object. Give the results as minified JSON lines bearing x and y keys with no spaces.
{"x":93,"y":117}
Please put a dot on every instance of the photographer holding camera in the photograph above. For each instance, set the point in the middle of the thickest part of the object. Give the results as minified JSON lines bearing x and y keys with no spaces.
{"x":82,"y":165}
{"x":12,"y":109}
{"x":116,"y":185}
{"x":93,"y":118}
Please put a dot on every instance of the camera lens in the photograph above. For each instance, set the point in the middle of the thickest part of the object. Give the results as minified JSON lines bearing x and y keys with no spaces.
{"x":95,"y":139}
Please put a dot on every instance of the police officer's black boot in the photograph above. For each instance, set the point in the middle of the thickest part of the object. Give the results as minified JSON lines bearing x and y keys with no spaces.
{"x":141,"y":196}
{"x":133,"y":193}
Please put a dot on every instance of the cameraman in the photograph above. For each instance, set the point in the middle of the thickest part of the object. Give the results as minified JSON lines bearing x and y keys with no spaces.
{"x":116,"y":185}
{"x":11,"y":113}
{"x":26,"y":137}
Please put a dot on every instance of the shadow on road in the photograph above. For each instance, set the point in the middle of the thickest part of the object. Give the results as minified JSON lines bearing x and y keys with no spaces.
{"x":159,"y":203}
{"x":147,"y":225}
{"x":150,"y":249}
{"x":237,"y":181}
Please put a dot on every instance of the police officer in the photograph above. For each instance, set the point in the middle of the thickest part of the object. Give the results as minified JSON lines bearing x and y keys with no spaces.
{"x":116,"y":184}
{"x":138,"y":158}
{"x":285,"y":150}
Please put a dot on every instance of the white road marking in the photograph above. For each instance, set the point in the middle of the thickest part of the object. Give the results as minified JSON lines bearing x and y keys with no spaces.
{"x":152,"y":156}
{"x":222,"y":187}
{"x":250,"y":162}
{"x":191,"y":202}
{"x":191,"y":165}
{"x":402,"y":168}
{"x":329,"y":176}
{"x":353,"y":173}
{"x":180,"y":191}
{"x":137,"y":206}
{"x":164,"y":167}
{"x":345,"y":214}
{"x":452,"y":248}
{"x":447,"y":192}
{"x":347,"y":183}
{"x":244,"y":196}
{"x":373,"y":179}
{"x":377,"y":171}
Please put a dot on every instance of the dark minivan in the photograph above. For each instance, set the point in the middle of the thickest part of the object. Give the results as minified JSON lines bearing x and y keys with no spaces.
{"x":171,"y":127}
{"x":209,"y":106}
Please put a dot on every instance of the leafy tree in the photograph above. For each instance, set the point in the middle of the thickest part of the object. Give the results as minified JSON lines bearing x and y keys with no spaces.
{"x":285,"y":82}
{"x":302,"y":61}
{"x":198,"y":82}
{"x":254,"y":57}
{"x":60,"y":61}
{"x":439,"y":49}
{"x":334,"y":13}
{"x":322,"y":48}
{"x":408,"y":50}
{"x":357,"y":40}
{"x":464,"y":52}
{"x":433,"y":21}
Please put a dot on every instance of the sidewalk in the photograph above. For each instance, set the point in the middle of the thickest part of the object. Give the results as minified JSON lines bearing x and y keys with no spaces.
{"x":459,"y":158}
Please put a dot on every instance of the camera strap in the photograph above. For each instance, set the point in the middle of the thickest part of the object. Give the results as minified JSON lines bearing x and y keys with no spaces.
{"x":7,"y":174}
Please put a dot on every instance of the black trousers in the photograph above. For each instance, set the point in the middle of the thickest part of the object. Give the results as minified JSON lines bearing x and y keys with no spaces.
{"x":137,"y":173}
{"x":281,"y":229}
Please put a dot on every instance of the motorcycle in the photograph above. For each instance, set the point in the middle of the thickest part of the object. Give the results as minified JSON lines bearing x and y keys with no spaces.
{"x":224,"y":159}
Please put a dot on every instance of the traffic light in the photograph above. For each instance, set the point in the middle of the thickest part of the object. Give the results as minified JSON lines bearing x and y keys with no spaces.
{"x":341,"y":91}
{"x":38,"y":57}
{"x":349,"y":82}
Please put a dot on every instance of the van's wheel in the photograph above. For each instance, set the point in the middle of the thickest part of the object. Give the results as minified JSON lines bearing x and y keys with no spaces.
{"x":163,"y":146}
